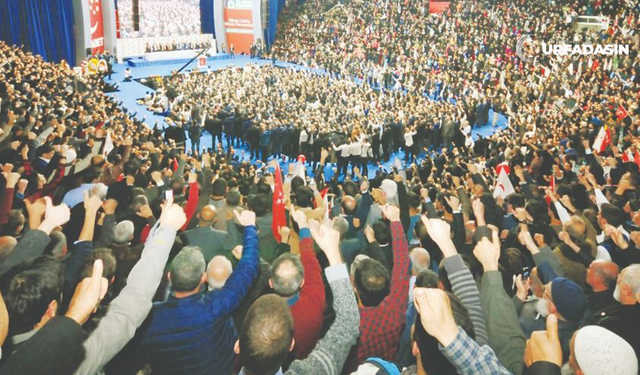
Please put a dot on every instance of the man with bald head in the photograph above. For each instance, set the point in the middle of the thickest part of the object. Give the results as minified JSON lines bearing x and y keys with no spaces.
{"x":218,"y":271}
{"x":601,"y":277}
{"x":7,"y":244}
{"x":349,"y":207}
{"x":211,"y":241}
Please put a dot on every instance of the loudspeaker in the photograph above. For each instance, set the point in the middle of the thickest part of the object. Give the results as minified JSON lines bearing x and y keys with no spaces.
{"x":136,"y":15}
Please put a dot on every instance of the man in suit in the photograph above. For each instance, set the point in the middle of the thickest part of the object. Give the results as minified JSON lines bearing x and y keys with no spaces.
{"x":211,"y":241}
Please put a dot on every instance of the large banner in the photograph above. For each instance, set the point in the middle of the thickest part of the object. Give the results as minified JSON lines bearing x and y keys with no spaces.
{"x":97,"y":27}
{"x":438,"y":6}
{"x":239,"y":26}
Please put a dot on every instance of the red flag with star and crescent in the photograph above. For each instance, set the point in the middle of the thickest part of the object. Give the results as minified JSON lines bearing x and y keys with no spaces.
{"x":278,"y":207}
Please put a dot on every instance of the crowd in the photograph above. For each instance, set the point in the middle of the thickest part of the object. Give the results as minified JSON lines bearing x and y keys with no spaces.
{"x":159,"y":18}
{"x":123,"y":251}
{"x":288,"y":112}
{"x":175,"y":46}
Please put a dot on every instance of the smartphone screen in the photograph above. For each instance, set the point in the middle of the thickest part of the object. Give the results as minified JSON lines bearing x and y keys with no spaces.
{"x":168,"y":194}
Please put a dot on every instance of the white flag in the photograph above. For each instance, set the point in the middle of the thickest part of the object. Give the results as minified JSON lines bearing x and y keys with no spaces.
{"x":108,"y":144}
{"x":503,"y":186}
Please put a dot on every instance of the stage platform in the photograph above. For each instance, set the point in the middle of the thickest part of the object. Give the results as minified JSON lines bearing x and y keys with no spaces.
{"x":140,"y":62}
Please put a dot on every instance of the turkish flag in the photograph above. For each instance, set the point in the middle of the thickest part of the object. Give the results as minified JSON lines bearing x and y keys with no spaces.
{"x":278,"y":209}
{"x":621,"y":113}
{"x":602,"y":140}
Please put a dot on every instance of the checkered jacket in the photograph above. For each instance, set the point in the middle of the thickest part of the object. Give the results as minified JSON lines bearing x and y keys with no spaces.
{"x":381,"y":326}
{"x":469,"y":358}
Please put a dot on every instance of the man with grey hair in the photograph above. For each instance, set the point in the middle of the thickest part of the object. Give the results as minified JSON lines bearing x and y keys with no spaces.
{"x":124,"y":232}
{"x":186,"y":272}
{"x":192,"y":331}
{"x":299,"y":280}
{"x":420,"y":260}
{"x":622,"y":317}
{"x":218,"y":271}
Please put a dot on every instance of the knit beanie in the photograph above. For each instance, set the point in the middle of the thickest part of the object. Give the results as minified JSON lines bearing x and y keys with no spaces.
{"x":569,"y":299}
{"x":599,"y":351}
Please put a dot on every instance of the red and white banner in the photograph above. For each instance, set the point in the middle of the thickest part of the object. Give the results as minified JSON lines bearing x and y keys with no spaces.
{"x":239,"y":26}
{"x":97,"y":27}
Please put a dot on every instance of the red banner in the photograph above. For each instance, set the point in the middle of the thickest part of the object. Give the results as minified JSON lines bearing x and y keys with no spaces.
{"x":239,"y":25}
{"x":438,"y":6}
{"x":97,"y":28}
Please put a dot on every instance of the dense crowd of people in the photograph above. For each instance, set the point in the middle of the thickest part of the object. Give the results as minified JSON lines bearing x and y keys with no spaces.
{"x":131,"y":249}
{"x":159,"y":18}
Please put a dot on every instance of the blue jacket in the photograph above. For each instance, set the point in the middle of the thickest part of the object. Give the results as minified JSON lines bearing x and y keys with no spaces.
{"x":195,"y":335}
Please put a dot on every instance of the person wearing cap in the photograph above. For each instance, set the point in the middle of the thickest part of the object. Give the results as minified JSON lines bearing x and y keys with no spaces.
{"x":568,"y":301}
{"x":598,"y":351}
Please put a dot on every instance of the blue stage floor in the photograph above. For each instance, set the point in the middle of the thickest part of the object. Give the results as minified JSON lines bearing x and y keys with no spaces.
{"x":129,"y":92}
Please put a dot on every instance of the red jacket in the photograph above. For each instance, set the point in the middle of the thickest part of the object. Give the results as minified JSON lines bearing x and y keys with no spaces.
{"x":308,"y":310}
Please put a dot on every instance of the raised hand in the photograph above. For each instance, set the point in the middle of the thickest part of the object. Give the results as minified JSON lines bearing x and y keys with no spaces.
{"x":12,"y":179}
{"x":488,"y":252}
{"x":522,"y":288}
{"x":440,"y":233}
{"x":436,"y":316}
{"x":56,"y":215}
{"x":299,"y":217}
{"x":92,"y":204}
{"x":453,"y":202}
{"x":245,"y":218}
{"x":172,"y":216}
{"x":237,"y":252}
{"x":391,"y":212}
{"x":369,"y":234}
{"x":328,"y":239}
{"x":478,"y":212}
{"x":88,"y":295}
{"x":544,"y":345}
{"x":109,"y":206}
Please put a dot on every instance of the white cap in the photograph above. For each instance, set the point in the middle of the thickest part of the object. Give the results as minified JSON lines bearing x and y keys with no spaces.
{"x":599,"y":351}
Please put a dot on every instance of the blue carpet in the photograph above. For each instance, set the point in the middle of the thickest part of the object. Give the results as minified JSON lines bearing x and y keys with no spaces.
{"x":129,"y":92}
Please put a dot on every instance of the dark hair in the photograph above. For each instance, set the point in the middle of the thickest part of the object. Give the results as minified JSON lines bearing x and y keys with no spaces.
{"x":414,"y":200}
{"x":433,"y":361}
{"x":29,"y":289}
{"x":382,"y":232}
{"x":287,"y":284}
{"x":516,"y":200}
{"x":304,"y":197}
{"x":219,"y":187}
{"x":266,"y":335}
{"x":612,"y":214}
{"x":261,"y":204}
{"x":233,"y":197}
{"x":108,"y":261}
{"x":427,"y":279}
{"x":372,"y":282}
{"x":177,"y":186}
{"x":90,"y":174}
{"x":350,"y":188}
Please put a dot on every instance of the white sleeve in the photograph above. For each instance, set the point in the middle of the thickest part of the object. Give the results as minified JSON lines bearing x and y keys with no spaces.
{"x":600,"y":198}
{"x":563,"y":214}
